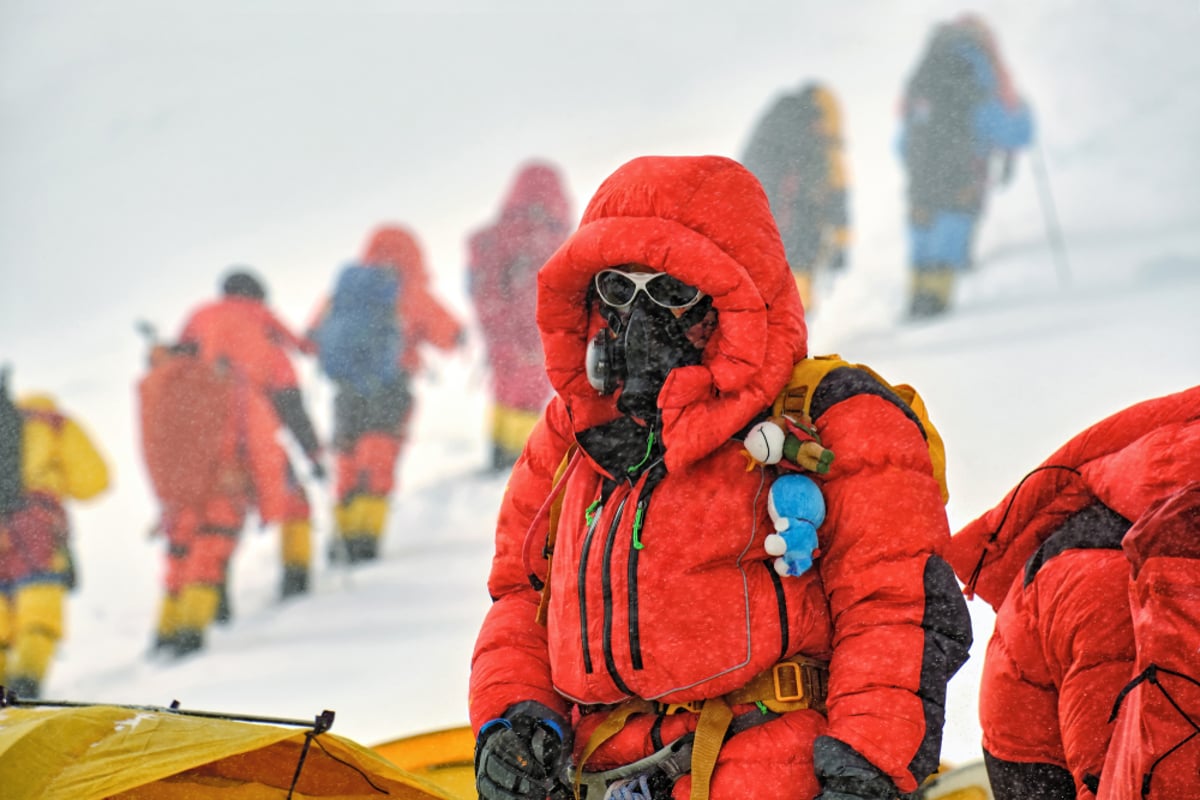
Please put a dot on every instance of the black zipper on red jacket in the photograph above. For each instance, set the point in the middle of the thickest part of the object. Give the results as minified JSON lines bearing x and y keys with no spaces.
{"x":581,"y":582}
{"x":631,"y":577}
{"x":607,"y":592}
{"x":656,"y":472}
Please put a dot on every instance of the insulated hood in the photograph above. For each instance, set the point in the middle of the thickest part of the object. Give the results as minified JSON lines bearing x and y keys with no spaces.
{"x":704,"y":220}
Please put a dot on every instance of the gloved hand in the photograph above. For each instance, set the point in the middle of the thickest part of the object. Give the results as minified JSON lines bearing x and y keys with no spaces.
{"x":846,"y":775}
{"x":523,"y":755}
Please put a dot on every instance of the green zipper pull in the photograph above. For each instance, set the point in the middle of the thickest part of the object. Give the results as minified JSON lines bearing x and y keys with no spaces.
{"x":589,"y":513}
{"x":637,"y":525}
{"x":646,"y":457}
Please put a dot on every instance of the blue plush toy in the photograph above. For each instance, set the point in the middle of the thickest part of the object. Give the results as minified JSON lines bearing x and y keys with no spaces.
{"x":797,"y":509}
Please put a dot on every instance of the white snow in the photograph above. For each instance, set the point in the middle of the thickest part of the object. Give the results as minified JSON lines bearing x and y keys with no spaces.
{"x":145,"y":146}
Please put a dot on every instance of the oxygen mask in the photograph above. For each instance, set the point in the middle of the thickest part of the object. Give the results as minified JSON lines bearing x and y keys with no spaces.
{"x":649,"y":316}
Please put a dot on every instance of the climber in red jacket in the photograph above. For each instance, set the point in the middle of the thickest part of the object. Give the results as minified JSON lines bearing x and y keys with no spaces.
{"x":1049,"y":559}
{"x":671,"y":323}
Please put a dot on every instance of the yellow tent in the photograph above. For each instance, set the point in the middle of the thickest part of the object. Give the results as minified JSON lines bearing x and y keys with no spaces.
{"x":79,"y":752}
{"x":445,"y":758}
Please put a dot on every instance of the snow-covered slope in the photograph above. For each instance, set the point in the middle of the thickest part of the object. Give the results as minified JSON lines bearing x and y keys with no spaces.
{"x":143,"y":149}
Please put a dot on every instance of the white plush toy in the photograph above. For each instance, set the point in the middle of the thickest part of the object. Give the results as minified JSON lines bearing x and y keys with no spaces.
{"x":797,"y":508}
{"x":765,"y":441}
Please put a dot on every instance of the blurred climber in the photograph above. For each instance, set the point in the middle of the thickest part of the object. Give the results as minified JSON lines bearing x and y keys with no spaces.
{"x":241,"y":330}
{"x":960,"y":112}
{"x":55,"y":460}
{"x":502,"y":276}
{"x":368,"y":336}
{"x":797,"y":152}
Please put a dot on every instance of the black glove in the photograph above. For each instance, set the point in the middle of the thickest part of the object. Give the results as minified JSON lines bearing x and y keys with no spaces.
{"x":837,"y":260}
{"x":523,"y":755}
{"x":846,"y":775}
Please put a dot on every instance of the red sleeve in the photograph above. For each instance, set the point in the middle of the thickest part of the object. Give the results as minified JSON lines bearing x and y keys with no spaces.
{"x":435,"y":325}
{"x":511,"y":662}
{"x":266,"y":460}
{"x":901,"y":628}
{"x":282,"y":334}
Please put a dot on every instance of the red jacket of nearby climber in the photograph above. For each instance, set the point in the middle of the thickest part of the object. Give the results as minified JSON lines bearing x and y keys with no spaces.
{"x":1155,"y":752}
{"x":697,"y":611}
{"x":1126,"y":461}
{"x":1049,"y":559}
{"x":247,"y":334}
{"x":504,"y":261}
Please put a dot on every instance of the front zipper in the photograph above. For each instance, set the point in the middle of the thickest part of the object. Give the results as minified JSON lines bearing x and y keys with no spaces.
{"x":582,"y":590}
{"x":607,"y":593}
{"x":631,"y":576}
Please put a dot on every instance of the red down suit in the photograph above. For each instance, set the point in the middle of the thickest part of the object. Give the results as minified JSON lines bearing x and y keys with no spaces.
{"x":686,"y":605}
{"x":1049,"y":559}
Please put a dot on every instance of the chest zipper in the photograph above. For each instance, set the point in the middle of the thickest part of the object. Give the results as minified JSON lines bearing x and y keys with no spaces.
{"x":592,"y":516}
{"x":607,"y":593}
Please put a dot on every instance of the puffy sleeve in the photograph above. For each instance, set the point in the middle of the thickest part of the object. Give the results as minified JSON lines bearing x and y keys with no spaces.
{"x":901,"y":627}
{"x":427,"y":320}
{"x":511,"y":662}
{"x":265,"y":459}
{"x":84,"y":471}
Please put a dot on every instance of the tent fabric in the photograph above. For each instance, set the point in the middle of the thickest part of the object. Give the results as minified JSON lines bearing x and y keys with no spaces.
{"x":445,"y":758}
{"x":82,"y":752}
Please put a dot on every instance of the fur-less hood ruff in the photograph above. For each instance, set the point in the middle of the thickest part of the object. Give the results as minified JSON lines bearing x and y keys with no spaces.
{"x":705,"y":220}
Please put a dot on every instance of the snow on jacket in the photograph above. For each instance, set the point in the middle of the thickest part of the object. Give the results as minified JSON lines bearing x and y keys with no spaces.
{"x":698,"y":611}
{"x":504,"y":260}
{"x":1049,"y":559}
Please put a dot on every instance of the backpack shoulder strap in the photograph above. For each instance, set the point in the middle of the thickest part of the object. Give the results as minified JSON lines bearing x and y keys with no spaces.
{"x":797,"y":397}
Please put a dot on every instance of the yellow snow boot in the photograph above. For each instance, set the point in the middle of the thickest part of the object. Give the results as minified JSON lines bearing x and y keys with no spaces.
{"x":296,"y":545}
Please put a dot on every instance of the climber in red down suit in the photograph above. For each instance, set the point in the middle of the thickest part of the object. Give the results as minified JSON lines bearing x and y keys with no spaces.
{"x":1079,"y":617}
{"x":671,"y":323}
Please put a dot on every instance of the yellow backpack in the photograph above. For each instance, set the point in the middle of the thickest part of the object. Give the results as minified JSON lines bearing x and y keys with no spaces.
{"x":795,"y":402}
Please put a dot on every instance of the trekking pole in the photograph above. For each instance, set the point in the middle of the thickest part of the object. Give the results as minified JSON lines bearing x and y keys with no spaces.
{"x":1054,"y":235}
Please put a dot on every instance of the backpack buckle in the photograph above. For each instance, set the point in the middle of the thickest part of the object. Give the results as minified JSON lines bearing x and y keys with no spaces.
{"x":801,"y":681}
{"x":691,"y":706}
{"x":788,"y":681}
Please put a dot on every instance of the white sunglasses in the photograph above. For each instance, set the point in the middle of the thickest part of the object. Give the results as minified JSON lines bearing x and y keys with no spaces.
{"x":618,"y":289}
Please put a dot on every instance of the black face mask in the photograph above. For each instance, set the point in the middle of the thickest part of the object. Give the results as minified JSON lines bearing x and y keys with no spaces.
{"x":639,"y":349}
